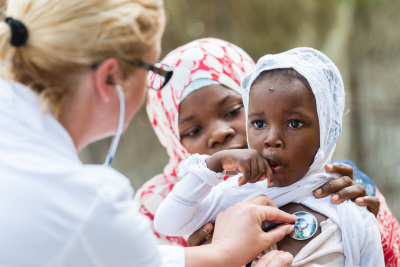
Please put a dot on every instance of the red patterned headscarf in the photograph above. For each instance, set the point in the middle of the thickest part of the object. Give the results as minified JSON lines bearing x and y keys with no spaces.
{"x":205,"y":58}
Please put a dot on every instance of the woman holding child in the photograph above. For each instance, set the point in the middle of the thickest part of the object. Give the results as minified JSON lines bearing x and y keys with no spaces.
{"x":217,"y":68}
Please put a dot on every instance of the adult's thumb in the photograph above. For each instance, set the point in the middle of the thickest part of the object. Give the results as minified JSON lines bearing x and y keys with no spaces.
{"x":277,"y":234}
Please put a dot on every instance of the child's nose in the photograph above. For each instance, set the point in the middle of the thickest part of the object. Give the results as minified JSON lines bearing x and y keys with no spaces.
{"x":273,"y":143}
{"x":220,"y":134}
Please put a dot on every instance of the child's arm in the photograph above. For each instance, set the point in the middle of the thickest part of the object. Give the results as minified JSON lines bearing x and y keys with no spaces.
{"x":194,"y":201}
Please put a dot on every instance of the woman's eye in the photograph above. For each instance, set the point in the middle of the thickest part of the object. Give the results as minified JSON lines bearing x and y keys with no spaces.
{"x":295,"y":124}
{"x":259,"y":124}
{"x":192,"y":132}
{"x":233,"y":112}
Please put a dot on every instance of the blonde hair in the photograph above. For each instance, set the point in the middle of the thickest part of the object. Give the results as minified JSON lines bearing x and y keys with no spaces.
{"x":67,"y":36}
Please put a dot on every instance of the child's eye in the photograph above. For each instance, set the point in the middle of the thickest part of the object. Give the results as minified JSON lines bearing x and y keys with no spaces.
{"x":295,"y":124}
{"x":259,"y":124}
{"x":234,"y":112}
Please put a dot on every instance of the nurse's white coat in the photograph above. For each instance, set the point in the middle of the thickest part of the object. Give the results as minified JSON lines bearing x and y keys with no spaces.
{"x":55,"y":211}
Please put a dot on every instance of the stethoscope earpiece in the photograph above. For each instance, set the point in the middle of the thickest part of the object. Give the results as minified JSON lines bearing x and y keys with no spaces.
{"x":109,"y":79}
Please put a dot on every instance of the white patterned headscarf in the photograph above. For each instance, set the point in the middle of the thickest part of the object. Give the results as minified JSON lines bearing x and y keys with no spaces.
{"x":327,"y":86}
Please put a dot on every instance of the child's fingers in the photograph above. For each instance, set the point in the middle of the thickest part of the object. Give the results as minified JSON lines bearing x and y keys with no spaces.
{"x":254,"y":169}
{"x":268,"y":170}
{"x":245,"y":169}
{"x":261,"y":170}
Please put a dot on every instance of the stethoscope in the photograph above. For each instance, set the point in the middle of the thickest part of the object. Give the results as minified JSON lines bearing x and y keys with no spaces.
{"x":305,"y":227}
{"x":117,"y":136}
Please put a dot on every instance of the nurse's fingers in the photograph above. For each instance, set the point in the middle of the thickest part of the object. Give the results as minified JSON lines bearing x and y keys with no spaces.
{"x":275,"y":258}
{"x":335,"y":186}
{"x":372,"y":203}
{"x":342,"y":169}
{"x":275,"y":235}
{"x":261,"y":200}
{"x":270,"y":213}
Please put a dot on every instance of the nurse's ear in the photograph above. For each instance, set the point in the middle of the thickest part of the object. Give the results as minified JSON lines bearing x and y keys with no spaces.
{"x":106,"y":76}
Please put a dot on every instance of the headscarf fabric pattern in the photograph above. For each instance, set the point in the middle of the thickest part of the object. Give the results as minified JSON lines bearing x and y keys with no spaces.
{"x":327,"y":86}
{"x":208,"y":58}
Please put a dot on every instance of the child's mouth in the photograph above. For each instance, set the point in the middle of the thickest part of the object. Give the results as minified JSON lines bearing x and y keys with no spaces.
{"x":276,"y":167}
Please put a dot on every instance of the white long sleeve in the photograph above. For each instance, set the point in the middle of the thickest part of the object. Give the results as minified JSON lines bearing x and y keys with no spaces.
{"x":194,"y":201}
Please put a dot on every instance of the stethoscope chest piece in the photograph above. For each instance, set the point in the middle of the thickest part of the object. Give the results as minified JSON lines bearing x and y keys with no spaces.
{"x":305,"y":226}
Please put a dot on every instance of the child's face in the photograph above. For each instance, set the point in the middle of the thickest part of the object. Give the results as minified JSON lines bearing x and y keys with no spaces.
{"x":212,"y":119}
{"x":283,"y":127}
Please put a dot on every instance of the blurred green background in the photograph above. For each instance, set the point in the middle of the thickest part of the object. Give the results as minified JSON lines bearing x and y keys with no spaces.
{"x":361,"y":36}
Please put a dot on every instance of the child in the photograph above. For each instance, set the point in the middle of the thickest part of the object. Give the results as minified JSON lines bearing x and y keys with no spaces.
{"x":294,"y":113}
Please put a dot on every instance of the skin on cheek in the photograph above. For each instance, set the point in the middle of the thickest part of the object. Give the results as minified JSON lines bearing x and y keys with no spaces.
{"x":283,"y":126}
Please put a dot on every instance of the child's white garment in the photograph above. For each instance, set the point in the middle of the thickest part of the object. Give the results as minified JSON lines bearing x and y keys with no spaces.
{"x":194,"y":202}
{"x":324,"y":250}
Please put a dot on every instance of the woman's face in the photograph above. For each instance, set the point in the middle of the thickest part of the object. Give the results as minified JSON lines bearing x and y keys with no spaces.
{"x":212,"y":119}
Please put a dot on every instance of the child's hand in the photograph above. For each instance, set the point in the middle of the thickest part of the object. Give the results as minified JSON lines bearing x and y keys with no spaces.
{"x":247,"y":161}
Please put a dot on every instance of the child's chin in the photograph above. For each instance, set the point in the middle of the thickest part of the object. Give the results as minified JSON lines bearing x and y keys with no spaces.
{"x":280,"y":181}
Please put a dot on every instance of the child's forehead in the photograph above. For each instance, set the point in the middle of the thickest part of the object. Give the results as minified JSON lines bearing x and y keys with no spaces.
{"x":281,"y":89}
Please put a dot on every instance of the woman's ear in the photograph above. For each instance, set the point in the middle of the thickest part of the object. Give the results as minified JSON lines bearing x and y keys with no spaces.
{"x":106,"y":76}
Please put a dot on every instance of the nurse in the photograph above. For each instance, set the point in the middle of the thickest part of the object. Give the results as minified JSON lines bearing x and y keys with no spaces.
{"x":74,"y":72}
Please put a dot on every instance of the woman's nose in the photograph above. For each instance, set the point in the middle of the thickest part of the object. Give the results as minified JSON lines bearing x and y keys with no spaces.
{"x":220,"y":135}
{"x":273,"y":142}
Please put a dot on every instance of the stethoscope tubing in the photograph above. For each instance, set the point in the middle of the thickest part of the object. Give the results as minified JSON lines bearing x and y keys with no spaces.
{"x":116,"y":138}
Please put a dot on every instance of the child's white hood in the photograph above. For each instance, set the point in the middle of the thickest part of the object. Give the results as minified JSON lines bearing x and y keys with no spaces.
{"x":327,"y":85}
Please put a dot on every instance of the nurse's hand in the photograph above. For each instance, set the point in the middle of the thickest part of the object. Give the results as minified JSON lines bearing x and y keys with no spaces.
{"x":238,"y":237}
{"x":275,"y":258}
{"x":344,"y":188}
{"x":204,"y":235}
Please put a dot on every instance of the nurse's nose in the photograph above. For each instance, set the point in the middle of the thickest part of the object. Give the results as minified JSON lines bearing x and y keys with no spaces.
{"x":220,"y":134}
